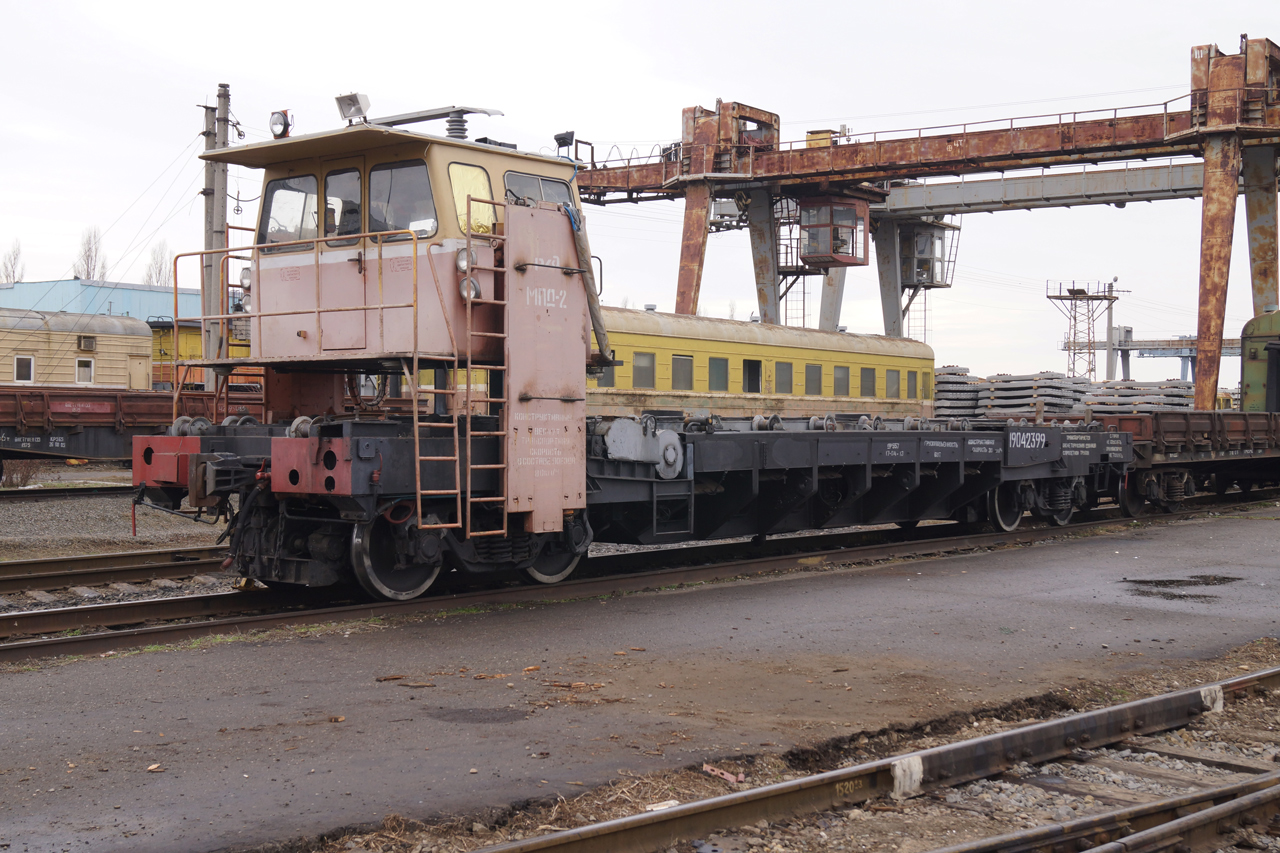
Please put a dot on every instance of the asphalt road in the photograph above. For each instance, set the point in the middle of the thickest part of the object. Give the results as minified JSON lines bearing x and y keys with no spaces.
{"x":252,"y":741}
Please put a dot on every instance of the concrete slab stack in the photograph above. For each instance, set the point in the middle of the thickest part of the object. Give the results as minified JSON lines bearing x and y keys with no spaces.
{"x":955,"y":392}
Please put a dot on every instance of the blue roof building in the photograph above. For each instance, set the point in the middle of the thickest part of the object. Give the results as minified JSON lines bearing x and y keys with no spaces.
{"x":114,"y":298}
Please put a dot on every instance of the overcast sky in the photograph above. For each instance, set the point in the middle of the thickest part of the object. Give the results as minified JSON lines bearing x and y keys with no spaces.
{"x":101,"y":126}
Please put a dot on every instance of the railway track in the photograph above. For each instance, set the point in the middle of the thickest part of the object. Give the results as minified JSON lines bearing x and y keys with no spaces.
{"x":57,"y":494}
{"x":97,"y":569}
{"x":107,"y":627}
{"x":1152,"y":795}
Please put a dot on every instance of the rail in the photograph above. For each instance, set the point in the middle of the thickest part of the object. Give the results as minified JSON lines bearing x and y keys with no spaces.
{"x":604,"y":575}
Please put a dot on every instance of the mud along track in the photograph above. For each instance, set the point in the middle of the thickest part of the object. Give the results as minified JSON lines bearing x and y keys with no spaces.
{"x":125,"y":567}
{"x":1196,"y":821}
{"x":604,"y":575}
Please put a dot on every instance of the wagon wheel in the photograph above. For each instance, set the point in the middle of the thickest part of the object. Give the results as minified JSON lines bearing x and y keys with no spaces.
{"x":373,"y":556}
{"x":1004,"y":508}
{"x":1131,"y":499}
{"x":1061,"y":518}
{"x":558,"y":558}
{"x":552,"y":566}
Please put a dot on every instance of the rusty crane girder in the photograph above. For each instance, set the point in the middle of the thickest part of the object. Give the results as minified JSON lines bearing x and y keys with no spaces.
{"x":1232,"y":120}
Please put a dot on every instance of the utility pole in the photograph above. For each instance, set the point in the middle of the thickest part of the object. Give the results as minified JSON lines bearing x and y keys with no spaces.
{"x":216,"y":120}
{"x":1111,"y":331}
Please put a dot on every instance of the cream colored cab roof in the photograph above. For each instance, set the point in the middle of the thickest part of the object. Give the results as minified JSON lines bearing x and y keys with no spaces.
{"x":346,"y":141}
{"x":629,"y":320}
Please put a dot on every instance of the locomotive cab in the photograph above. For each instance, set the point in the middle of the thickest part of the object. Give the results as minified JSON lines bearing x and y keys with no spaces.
{"x":417,"y":307}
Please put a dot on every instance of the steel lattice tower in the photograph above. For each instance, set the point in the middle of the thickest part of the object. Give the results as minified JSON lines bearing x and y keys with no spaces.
{"x":1083,"y":302}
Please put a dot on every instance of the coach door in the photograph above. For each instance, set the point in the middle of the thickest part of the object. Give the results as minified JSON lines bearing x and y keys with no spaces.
{"x":139,"y":373}
{"x":342,"y":257}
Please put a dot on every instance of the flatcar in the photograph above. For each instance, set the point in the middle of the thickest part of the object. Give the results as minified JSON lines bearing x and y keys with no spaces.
{"x":384,"y":251}
{"x":702,"y":366}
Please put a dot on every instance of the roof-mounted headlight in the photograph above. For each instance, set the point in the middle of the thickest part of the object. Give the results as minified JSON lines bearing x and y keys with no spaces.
{"x":280,"y":124}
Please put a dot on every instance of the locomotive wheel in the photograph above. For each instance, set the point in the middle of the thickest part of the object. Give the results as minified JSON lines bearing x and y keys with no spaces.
{"x":552,"y":567}
{"x":373,"y":556}
{"x":1003,"y":508}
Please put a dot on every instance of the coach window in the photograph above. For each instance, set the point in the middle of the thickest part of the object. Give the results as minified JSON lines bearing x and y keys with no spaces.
{"x":750,"y":376}
{"x":868,"y":382}
{"x":893,"y":384}
{"x":925,"y":391}
{"x":911,"y":385}
{"x":468,"y":180}
{"x":642,"y":370}
{"x":521,"y":186}
{"x":717,"y":374}
{"x":24,"y":368}
{"x":681,"y":373}
{"x":782,"y":377}
{"x":400,"y":199}
{"x":342,"y":206}
{"x":84,"y":371}
{"x":840,"y":381}
{"x":288,"y":213}
{"x":813,"y":379}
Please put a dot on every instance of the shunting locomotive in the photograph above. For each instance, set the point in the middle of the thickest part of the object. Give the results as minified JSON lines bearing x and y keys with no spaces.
{"x":458,"y":273}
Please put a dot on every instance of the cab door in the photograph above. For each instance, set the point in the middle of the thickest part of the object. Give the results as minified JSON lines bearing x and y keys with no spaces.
{"x":342,"y":267}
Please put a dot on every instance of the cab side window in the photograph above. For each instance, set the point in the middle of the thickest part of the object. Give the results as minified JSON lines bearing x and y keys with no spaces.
{"x":519,"y":185}
{"x":400,"y":199}
{"x":342,"y":205}
{"x":468,"y":180}
{"x":288,"y":213}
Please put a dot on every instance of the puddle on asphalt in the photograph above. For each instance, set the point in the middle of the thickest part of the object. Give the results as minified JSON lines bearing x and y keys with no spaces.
{"x":1167,"y":588}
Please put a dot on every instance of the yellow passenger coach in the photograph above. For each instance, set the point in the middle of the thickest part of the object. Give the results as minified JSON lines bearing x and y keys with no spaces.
{"x":704,"y":366}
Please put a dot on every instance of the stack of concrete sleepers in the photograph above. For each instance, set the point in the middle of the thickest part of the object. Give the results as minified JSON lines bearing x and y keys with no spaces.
{"x":955,"y":392}
{"x":1127,"y":397}
{"x":1004,"y":395}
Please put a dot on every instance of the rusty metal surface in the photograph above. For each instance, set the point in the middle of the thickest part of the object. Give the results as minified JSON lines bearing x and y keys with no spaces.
{"x":1259,"y":166}
{"x":693,"y":246}
{"x":1066,"y":140}
{"x":1217,"y":225}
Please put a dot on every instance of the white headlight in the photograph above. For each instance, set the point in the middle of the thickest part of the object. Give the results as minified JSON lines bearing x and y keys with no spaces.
{"x":471,"y":286}
{"x":245,"y":278}
{"x":280,"y":124}
{"x":465,"y":263}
